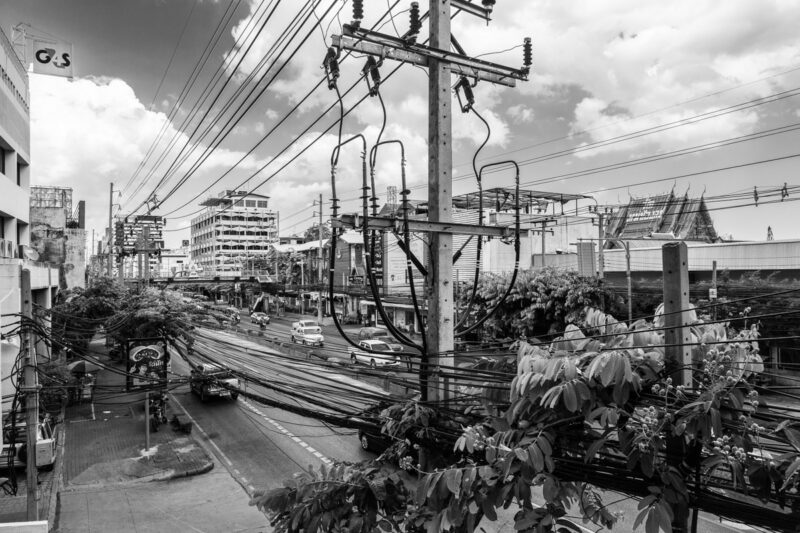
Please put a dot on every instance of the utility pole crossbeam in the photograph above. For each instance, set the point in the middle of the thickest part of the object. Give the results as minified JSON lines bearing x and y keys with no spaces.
{"x":390,"y":47}
{"x":422,"y":226}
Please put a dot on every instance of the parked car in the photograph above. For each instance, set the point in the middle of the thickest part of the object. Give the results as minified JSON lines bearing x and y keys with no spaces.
{"x":385,"y":357}
{"x":308,"y":335}
{"x":373,"y":333}
{"x":206,"y":381}
{"x":259,"y":318}
{"x":45,"y":444}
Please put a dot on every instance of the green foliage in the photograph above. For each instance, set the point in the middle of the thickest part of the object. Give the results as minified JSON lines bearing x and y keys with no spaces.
{"x":78,"y":313}
{"x":343,"y":497}
{"x":595,"y":405}
{"x":542,"y":301}
{"x":154,"y":313}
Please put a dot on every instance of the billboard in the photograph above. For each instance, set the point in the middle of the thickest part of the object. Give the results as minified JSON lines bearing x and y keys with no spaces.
{"x":148,"y":362}
{"x":53,"y":58}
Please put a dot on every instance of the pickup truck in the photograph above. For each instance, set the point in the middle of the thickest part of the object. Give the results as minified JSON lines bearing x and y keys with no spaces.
{"x":206,"y":378}
{"x":307,"y":335}
{"x":385,"y":358}
{"x":45,"y":444}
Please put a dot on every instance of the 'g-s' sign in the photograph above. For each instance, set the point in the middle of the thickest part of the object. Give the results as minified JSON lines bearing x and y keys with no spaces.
{"x":52,"y":58}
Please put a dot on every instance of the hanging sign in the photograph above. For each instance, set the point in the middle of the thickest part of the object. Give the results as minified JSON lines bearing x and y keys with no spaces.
{"x":148,"y":362}
{"x":52,"y":58}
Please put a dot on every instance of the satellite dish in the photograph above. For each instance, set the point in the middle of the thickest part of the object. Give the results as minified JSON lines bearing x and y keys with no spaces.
{"x":30,"y":253}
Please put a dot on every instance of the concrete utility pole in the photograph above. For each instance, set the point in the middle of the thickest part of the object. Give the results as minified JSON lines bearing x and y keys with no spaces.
{"x":675,"y":257}
{"x":31,"y":395}
{"x":678,"y":355}
{"x":320,"y":314}
{"x":600,"y":236}
{"x":441,"y":63}
{"x":109,"y":268}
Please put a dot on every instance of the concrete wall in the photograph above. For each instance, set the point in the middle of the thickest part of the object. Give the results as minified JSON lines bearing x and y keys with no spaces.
{"x":75,"y":257}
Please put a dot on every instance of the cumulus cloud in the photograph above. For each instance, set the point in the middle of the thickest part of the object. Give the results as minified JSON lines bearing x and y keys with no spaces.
{"x":92,"y":131}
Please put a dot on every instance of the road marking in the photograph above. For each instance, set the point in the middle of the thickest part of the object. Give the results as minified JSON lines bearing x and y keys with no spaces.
{"x":200,"y":429}
{"x":289,"y":434}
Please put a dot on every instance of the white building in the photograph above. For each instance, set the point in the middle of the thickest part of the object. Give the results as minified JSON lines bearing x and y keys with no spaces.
{"x":175,"y":263}
{"x":235,"y":233}
{"x":15,"y":251}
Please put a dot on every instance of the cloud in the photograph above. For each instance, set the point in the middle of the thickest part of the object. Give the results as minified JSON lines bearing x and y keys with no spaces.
{"x":520,"y":113}
{"x":92,"y":131}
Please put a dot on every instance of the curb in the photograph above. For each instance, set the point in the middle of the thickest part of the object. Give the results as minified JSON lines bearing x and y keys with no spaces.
{"x":207,"y":467}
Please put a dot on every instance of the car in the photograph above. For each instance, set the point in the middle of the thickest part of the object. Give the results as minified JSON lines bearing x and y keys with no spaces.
{"x":209,"y":380}
{"x":312,"y":336}
{"x":45,"y":444}
{"x":384,"y":358}
{"x":381,"y":335}
{"x":259,"y":318}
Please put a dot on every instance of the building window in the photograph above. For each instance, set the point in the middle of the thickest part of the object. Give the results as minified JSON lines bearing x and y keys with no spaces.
{"x":262,"y":203}
{"x":2,"y":160}
{"x":250,"y":203}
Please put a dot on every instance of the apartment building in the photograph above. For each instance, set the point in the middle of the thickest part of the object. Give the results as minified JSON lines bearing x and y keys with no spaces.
{"x":235,"y":233}
{"x":15,"y":232}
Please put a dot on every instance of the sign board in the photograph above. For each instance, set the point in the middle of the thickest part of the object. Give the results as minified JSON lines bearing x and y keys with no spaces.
{"x":148,"y":362}
{"x":647,"y":210}
{"x":53,"y":58}
{"x":712,"y":294}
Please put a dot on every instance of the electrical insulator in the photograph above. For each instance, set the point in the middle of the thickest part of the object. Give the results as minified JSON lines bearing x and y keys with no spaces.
{"x":414,"y":23}
{"x":488,"y":5}
{"x":358,"y":12}
{"x":370,"y":71}
{"x":331,"y":64}
{"x":527,"y":54}
{"x":469,"y":97}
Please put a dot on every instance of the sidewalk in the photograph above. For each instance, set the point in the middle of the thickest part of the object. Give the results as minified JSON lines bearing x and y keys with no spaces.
{"x":109,"y":482}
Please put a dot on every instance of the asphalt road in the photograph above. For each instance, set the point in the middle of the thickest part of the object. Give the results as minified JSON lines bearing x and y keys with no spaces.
{"x":262,"y":446}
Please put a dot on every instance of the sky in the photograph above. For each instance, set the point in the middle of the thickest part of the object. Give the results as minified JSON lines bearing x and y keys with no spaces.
{"x":625,"y":99}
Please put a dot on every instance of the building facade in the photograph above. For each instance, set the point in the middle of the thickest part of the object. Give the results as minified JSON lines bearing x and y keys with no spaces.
{"x":58,"y":233}
{"x":15,"y":234}
{"x":138,"y":243}
{"x":235,"y":233}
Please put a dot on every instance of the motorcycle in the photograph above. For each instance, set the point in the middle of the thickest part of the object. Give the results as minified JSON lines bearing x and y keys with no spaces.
{"x":158,"y":411}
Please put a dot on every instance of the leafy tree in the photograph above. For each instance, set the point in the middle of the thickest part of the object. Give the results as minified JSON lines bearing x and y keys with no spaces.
{"x":78,"y":313}
{"x":543,"y":301}
{"x":596,"y":407}
{"x":154,"y":313}
{"x":312,"y":232}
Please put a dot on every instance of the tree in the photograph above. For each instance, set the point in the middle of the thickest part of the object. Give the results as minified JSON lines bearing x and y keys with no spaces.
{"x":78,"y":313}
{"x":593,"y":408}
{"x":312,"y":232}
{"x":543,"y":301}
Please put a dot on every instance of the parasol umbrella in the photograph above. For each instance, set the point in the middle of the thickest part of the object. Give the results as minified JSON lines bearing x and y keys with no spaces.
{"x":83,"y":367}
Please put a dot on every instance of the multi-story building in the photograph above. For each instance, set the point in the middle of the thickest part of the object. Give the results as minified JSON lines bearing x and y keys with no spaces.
{"x":235,"y":233}
{"x":15,"y":235}
{"x":58,"y":233}
{"x":176,"y":263}
{"x":135,"y":235}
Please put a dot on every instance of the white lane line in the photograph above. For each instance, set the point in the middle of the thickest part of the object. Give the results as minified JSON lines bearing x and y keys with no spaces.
{"x":286,"y":432}
{"x":200,"y":429}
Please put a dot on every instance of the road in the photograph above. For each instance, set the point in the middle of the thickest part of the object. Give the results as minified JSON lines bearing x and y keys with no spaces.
{"x":262,"y":446}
